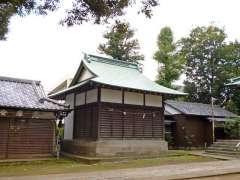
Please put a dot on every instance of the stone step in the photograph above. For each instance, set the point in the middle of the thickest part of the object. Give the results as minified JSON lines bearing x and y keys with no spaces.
{"x":228,"y":140}
{"x":230,"y":143}
{"x":224,"y":145}
{"x":220,"y":154}
{"x":224,"y":152}
{"x":222,"y":148}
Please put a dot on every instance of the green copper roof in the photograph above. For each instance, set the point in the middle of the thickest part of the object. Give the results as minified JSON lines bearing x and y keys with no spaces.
{"x":116,"y":73}
{"x":123,"y":74}
{"x":234,"y":82}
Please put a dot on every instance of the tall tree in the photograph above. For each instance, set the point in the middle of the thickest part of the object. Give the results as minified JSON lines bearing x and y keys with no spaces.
{"x":121,"y":43}
{"x":210,"y":61}
{"x":98,"y":11}
{"x":171,"y":61}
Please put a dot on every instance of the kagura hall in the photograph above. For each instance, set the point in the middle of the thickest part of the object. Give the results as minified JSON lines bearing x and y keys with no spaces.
{"x":116,"y":110}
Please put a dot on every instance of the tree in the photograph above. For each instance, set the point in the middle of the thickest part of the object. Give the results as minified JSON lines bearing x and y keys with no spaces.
{"x":98,"y":11}
{"x":121,"y":44}
{"x":233,"y":104}
{"x":167,"y":55}
{"x":232,"y":128}
{"x":8,"y":8}
{"x":210,"y":61}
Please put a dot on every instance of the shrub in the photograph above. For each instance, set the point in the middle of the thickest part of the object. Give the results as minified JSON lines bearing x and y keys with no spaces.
{"x":232,"y":128}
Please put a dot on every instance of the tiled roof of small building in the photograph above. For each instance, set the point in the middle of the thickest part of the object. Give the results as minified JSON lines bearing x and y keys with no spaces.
{"x":119,"y":74}
{"x":199,"y":109}
{"x":26,"y":94}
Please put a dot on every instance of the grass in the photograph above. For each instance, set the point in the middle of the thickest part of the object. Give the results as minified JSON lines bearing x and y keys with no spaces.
{"x":53,"y":166}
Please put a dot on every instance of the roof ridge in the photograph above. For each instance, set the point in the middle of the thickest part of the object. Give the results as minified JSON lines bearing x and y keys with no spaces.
{"x":18,"y":80}
{"x":36,"y":92}
{"x":114,"y":61}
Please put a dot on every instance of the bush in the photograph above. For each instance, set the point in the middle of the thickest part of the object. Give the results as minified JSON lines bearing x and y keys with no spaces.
{"x":232,"y":128}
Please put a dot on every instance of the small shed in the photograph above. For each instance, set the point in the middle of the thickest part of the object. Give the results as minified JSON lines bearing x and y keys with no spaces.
{"x":116,"y":110}
{"x":27,"y":119}
{"x":194,"y":124}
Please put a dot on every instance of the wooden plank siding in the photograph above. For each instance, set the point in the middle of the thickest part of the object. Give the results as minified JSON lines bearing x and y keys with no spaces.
{"x":130,"y":122}
{"x":21,"y":137}
{"x":3,"y":137}
{"x":85,"y":122}
{"x":197,"y":129}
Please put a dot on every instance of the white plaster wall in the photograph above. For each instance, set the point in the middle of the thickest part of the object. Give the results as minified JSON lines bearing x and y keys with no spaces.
{"x":92,"y":96}
{"x":153,"y":100}
{"x":112,"y":96}
{"x":85,"y":74}
{"x":133,"y":98}
{"x":68,"y":121}
{"x":80,"y":99}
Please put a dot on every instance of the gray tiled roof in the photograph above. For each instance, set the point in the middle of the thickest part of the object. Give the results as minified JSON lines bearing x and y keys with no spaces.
{"x":199,"y":109}
{"x":27,"y":94}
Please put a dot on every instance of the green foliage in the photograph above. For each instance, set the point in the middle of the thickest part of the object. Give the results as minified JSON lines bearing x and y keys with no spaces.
{"x":8,"y":8}
{"x":232,"y":128}
{"x":101,"y":11}
{"x":170,"y":139}
{"x":233,"y":104}
{"x":210,"y":61}
{"x":60,"y":132}
{"x":167,"y":56}
{"x":120,"y":43}
{"x":98,"y":11}
{"x":188,"y":139}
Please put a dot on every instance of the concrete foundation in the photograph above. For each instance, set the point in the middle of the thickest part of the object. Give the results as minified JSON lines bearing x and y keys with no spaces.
{"x":114,"y":147}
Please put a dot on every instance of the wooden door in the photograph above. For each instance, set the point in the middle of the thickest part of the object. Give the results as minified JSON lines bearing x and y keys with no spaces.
{"x":23,"y":138}
{"x":29,"y":138}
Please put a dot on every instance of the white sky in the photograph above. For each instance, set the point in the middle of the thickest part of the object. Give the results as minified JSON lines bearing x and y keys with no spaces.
{"x":39,"y":48}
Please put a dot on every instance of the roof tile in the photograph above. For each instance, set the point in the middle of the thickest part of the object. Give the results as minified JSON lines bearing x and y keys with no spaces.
{"x":199,"y":109}
{"x":28,"y":94}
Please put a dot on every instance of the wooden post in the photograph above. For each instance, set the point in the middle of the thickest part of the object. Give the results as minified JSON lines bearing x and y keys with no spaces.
{"x":123,"y":114}
{"x":163,"y":117}
{"x":99,"y":94}
{"x":8,"y":137}
{"x":213,"y":120}
{"x":74,"y":114}
{"x":144,"y":99}
{"x":98,"y":113}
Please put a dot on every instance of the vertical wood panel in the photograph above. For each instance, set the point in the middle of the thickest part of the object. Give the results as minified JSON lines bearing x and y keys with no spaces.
{"x":21,"y":137}
{"x":3,"y":137}
{"x":86,"y":121}
{"x":130,"y":122}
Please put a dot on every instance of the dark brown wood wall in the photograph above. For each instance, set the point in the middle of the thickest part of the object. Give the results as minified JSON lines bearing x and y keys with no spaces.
{"x":86,"y":121}
{"x":3,"y":137}
{"x":130,"y":122}
{"x":25,"y":137}
{"x":197,"y":128}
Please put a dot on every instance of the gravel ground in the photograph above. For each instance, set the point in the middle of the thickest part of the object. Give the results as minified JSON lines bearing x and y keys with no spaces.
{"x":150,"y":173}
{"x":224,"y":177}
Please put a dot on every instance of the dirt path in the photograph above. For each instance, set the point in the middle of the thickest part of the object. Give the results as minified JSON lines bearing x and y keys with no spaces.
{"x":158,"y":172}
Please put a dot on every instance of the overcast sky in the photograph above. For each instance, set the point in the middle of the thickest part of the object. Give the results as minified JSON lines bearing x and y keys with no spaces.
{"x":39,"y":48}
